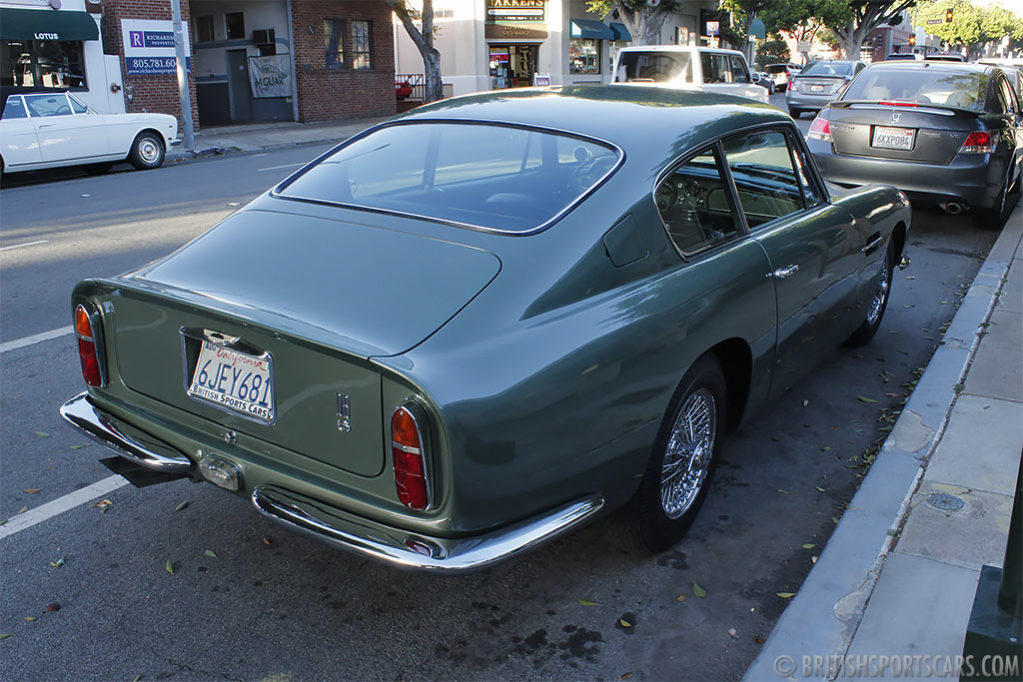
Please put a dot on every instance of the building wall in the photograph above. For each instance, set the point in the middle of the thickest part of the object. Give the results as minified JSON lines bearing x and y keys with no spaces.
{"x":156,"y":92}
{"x":324,"y":93}
{"x":212,"y":61}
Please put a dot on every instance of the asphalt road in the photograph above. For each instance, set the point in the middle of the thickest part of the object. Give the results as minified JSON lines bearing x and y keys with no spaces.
{"x":249,"y":601}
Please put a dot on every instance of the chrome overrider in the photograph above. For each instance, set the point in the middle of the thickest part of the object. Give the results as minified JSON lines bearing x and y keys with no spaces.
{"x":335,"y":526}
{"x":126,"y":441}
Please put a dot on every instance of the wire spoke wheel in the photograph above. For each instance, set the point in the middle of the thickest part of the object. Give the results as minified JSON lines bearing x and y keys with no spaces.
{"x":688,"y":453}
{"x":880,"y":296}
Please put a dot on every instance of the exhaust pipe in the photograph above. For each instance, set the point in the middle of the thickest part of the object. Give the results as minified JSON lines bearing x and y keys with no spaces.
{"x":953,"y":207}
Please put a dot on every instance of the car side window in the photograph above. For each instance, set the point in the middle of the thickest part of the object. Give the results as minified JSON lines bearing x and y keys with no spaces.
{"x":14,"y":108}
{"x":1006,"y":97}
{"x":739,"y":72}
{"x":696,"y":206}
{"x":48,"y":105}
{"x":710,"y":67}
{"x":77,"y":106}
{"x":766,"y":181}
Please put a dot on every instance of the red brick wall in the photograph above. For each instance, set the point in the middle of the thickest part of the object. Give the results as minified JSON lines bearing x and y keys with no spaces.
{"x":325,"y":94}
{"x":153,"y":93}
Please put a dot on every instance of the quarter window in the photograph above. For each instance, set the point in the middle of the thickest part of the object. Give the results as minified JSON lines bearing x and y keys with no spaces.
{"x":696,"y":205}
{"x":768,"y":185}
{"x":333,"y":29}
{"x":361,"y":45}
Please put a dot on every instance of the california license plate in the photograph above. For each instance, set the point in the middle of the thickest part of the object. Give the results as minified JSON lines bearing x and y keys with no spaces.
{"x":817,"y":88}
{"x":893,"y":138}
{"x":236,"y":381}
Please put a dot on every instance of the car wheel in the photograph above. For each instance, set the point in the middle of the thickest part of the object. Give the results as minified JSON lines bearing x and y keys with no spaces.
{"x":679,"y":471}
{"x":993,"y":218}
{"x":98,"y":168}
{"x":147,"y":151}
{"x":878,"y":303}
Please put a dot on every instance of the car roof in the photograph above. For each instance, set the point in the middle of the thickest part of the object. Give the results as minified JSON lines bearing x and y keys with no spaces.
{"x":939,"y":65}
{"x":625,"y":117}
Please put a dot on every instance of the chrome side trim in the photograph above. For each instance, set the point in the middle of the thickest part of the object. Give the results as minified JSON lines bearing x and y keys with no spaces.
{"x":107,"y":430}
{"x":410,"y":550}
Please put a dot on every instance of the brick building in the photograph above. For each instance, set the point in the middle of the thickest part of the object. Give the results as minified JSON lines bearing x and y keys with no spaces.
{"x":250,"y":60}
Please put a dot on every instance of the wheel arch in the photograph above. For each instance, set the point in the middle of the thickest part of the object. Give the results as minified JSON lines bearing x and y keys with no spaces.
{"x":899,"y":233}
{"x":735,"y":357}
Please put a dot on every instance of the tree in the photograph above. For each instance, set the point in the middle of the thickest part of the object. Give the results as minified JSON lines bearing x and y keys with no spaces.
{"x":643,"y":19}
{"x":804,"y":19}
{"x":773,"y":51}
{"x":423,"y":38}
{"x":863,"y":16}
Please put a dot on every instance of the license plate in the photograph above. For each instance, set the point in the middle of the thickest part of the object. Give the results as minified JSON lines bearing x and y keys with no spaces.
{"x":893,"y":138}
{"x":234,"y":380}
{"x":817,"y":88}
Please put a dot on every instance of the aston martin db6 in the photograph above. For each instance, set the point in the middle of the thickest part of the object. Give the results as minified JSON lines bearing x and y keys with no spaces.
{"x":479,"y":325}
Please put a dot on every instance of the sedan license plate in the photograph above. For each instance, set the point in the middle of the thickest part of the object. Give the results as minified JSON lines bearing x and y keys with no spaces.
{"x":817,"y":88}
{"x":236,"y":381}
{"x":893,"y":138}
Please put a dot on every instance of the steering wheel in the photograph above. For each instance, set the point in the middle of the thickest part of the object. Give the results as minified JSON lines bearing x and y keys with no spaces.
{"x":590,"y":171}
{"x":666,"y":195}
{"x":62,"y":110}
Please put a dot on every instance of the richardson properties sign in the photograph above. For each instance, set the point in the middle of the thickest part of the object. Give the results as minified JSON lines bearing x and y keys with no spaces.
{"x":149,"y":46}
{"x":511,"y":19}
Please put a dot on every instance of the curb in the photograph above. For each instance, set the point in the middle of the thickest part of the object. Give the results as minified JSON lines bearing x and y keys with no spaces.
{"x":822,"y":618}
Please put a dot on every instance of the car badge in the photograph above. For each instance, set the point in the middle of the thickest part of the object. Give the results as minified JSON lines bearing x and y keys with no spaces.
{"x":344,"y":413}
{"x":896,"y":116}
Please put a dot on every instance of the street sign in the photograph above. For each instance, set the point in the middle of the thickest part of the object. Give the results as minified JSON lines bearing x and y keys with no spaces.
{"x":935,"y":21}
{"x":713,"y":28}
{"x":803,"y":46}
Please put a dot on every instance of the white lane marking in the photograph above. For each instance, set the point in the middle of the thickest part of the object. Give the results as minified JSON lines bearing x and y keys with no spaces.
{"x":60,"y":505}
{"x":35,"y":338}
{"x":19,"y":246}
{"x":289,"y":165}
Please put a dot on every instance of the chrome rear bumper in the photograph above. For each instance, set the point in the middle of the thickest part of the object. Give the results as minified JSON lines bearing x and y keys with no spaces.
{"x":125,"y":440}
{"x":411,"y":550}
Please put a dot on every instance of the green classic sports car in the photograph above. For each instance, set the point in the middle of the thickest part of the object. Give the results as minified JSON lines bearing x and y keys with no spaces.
{"x":474,"y":327}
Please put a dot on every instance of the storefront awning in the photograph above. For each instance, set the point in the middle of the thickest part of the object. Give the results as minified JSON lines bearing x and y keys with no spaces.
{"x":44,"y":24}
{"x":621,"y":32}
{"x":591,"y":28}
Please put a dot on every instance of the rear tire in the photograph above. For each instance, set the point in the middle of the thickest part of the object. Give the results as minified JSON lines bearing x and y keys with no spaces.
{"x":681,"y":465}
{"x":993,"y":218}
{"x":795,"y":113}
{"x":147,"y":151}
{"x":878,"y":303}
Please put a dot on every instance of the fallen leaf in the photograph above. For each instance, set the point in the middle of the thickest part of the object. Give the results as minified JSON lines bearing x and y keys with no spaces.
{"x":865,"y":399}
{"x":784,"y":492}
{"x":825,"y":448}
{"x":42,"y":434}
{"x":137,"y":678}
{"x":77,"y":447}
{"x":821,"y":490}
{"x":58,"y":563}
{"x":758,"y":639}
{"x":809,"y":545}
{"x":733,"y":633}
{"x":3,"y":521}
{"x":5,"y":635}
{"x":23,"y":510}
{"x":583,"y":602}
{"x":30,"y":618}
{"x":681,"y":597}
{"x":625,"y":623}
{"x":32,"y":491}
{"x":50,"y":608}
{"x":813,"y":559}
{"x":786,"y":595}
{"x":626,"y":676}
{"x":210,"y":554}
{"x":699,"y":591}
{"x":170,"y":567}
{"x":267,"y":541}
{"x":834,"y":520}
{"x":181,"y":505}
{"x":102,"y":505}
{"x":805,"y":403}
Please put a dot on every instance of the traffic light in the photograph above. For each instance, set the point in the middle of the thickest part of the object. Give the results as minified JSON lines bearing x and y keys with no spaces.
{"x":948,"y":16}
{"x":912,"y":40}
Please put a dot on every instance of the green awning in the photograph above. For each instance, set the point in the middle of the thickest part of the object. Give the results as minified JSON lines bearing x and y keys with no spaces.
{"x":621,"y":32}
{"x":46,"y":24}
{"x":591,"y":28}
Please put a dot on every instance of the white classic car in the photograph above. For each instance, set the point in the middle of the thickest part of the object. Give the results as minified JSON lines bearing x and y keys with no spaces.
{"x":49,"y":129}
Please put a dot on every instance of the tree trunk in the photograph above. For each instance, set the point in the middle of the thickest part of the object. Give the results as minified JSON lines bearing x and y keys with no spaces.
{"x":851,"y":38}
{"x":434,"y":88}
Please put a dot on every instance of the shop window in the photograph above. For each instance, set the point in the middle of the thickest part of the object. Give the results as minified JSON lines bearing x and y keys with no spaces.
{"x":361,"y":45}
{"x":42,"y":63}
{"x":333,"y":29}
{"x":204,"y":32}
{"x":235,"y":24}
{"x":584,"y":55}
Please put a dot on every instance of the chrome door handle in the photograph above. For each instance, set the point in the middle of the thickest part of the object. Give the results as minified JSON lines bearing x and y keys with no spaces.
{"x":47,"y":125}
{"x":782,"y":273}
{"x":872,"y":244}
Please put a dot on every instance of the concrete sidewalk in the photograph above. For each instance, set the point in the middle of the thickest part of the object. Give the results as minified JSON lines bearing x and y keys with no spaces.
{"x":898,"y":576}
{"x":261,"y":136}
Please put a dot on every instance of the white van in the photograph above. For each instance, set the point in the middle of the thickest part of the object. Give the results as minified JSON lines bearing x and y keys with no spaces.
{"x":689,"y":68}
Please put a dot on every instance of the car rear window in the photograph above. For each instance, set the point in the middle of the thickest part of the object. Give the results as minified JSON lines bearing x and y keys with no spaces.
{"x":655,"y":67}
{"x":828,"y":69}
{"x":504,"y":178}
{"x":963,"y":90}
